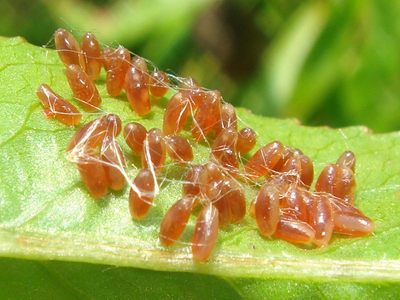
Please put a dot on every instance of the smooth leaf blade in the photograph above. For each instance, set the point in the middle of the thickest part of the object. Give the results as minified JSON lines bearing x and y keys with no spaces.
{"x":66,"y":280}
{"x":61,"y":280}
{"x":46,"y":213}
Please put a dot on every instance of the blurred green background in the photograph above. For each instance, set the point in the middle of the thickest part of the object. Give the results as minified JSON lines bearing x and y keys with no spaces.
{"x":333,"y":63}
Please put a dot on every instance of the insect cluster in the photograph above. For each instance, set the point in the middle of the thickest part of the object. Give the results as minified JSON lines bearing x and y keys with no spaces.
{"x":284,"y":207}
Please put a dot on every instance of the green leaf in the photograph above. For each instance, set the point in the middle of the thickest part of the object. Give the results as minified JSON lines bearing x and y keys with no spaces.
{"x":61,"y":280}
{"x":47,"y":214}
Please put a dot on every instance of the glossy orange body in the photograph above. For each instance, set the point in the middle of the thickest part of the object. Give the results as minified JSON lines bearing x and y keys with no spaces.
{"x":346,"y":187}
{"x":116,"y":62}
{"x":175,"y":221}
{"x":92,"y":54}
{"x":287,"y":154}
{"x":205,"y":233}
{"x":291,"y":169}
{"x":321,"y":219}
{"x":296,"y":167}
{"x":246,"y":141}
{"x":91,"y":134}
{"x":83,"y":89}
{"x":348,"y":160}
{"x":349,"y":220}
{"x":99,"y":172}
{"x":191,"y":185}
{"x":137,"y":87}
{"x":142,"y":195}
{"x":176,"y":114}
{"x":113,"y":123}
{"x":223,"y":149}
{"x":227,"y":138}
{"x":207,"y":116}
{"x":179,"y":148}
{"x":229,"y":162}
{"x":154,"y":150}
{"x":338,"y":181}
{"x":264,"y":160}
{"x":193,"y":92}
{"x":327,"y":179}
{"x":266,"y":209}
{"x":211,"y":175}
{"x":228,"y":118}
{"x":307,"y":171}
{"x":94,"y":176}
{"x":294,"y":231}
{"x":158,"y":84}
{"x":134,"y":134}
{"x":140,"y":63}
{"x":352,"y":224}
{"x":57,"y":107}
{"x":68,"y":48}
{"x":229,"y":199}
{"x":292,"y":203}
{"x":114,"y":162}
{"x":237,"y":200}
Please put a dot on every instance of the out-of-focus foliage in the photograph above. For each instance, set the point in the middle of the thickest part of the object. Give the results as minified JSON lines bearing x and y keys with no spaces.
{"x":325,"y":62}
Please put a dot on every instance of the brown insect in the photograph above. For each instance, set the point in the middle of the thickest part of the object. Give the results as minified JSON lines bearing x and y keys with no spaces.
{"x":223,"y":149}
{"x":337,"y":180}
{"x":191,"y":185}
{"x":296,"y":167}
{"x":57,"y":107}
{"x":207,"y":116}
{"x":158,"y":83}
{"x":142,"y":193}
{"x":83,"y":88}
{"x":99,"y":157}
{"x":349,"y":220}
{"x":264,"y":160}
{"x":176,"y":113}
{"x":192,"y":91}
{"x":94,"y":176}
{"x":205,"y":233}
{"x":135,"y":134}
{"x":92,"y":55}
{"x":91,"y":134}
{"x":68,"y":48}
{"x":178,"y":148}
{"x":266,"y":209}
{"x":175,"y":220}
{"x":114,"y":161}
{"x":228,"y":118}
{"x":116,"y":62}
{"x":321,"y":219}
{"x":137,"y":87}
{"x":247,"y":138}
{"x":294,"y":231}
{"x":154,"y":150}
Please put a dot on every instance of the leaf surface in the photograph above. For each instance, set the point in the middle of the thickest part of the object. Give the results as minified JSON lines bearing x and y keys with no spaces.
{"x":47,"y":214}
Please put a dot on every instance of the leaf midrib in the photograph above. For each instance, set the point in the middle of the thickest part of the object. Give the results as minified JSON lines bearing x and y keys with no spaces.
{"x":27,"y":244}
